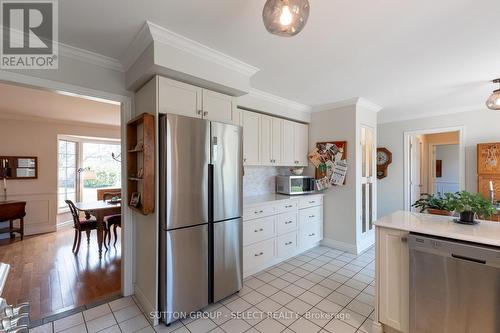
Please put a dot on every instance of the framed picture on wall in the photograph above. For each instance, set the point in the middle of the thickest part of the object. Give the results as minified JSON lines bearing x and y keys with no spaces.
{"x":135,"y":199}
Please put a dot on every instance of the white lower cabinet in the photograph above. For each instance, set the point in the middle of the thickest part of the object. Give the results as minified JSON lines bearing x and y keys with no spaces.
{"x":274,"y":231}
{"x":393,"y":278}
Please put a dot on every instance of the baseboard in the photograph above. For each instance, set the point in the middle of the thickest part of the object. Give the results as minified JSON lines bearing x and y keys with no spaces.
{"x":38,"y":228}
{"x":351,"y":248}
{"x":65,"y":224}
{"x":146,"y":306}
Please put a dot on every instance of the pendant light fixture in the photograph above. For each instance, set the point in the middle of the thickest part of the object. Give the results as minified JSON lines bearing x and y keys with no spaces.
{"x":285,"y":17}
{"x":493,"y":103}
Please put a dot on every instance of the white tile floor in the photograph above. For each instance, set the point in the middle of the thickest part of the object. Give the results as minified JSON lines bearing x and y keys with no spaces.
{"x":322,"y":290}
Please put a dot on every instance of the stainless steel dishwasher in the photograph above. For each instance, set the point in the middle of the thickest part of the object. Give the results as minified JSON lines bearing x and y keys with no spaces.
{"x":454,"y":286}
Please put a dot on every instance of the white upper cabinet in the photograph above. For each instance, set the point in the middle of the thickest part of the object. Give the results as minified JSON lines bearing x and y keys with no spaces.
{"x":188,"y":100}
{"x":179,"y":98}
{"x":276,"y":140}
{"x":217,"y":106}
{"x":266,"y":136}
{"x":251,"y":138}
{"x":288,"y":144}
{"x":301,"y":144}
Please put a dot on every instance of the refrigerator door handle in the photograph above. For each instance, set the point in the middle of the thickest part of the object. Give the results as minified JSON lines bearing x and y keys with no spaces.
{"x":215,"y":149}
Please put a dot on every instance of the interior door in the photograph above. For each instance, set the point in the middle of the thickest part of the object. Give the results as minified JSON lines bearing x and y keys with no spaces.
{"x":368,"y":171}
{"x":415,"y":163}
{"x":226,"y":161}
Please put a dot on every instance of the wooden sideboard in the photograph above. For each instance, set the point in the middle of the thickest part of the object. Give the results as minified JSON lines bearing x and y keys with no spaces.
{"x":488,"y":169}
{"x":11,"y":211}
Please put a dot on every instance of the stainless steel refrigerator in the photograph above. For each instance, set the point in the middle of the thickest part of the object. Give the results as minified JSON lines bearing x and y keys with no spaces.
{"x":200,"y":213}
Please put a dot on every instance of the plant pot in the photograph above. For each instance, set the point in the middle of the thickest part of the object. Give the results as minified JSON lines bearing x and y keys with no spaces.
{"x":443,"y":212}
{"x":467,"y":217}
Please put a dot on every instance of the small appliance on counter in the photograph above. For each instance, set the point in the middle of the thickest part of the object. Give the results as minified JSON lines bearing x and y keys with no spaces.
{"x":293,"y":185}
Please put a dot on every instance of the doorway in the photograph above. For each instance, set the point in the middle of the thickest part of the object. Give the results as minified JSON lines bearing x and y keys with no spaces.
{"x":122,"y":271}
{"x":434,"y":163}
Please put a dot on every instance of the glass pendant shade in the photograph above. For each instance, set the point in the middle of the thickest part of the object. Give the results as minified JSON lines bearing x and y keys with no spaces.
{"x":285,"y":17}
{"x":493,"y":103}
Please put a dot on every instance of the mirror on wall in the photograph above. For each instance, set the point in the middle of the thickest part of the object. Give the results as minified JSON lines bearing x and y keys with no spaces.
{"x":18,"y":167}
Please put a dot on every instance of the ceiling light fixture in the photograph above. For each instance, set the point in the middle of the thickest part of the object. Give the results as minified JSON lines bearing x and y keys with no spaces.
{"x":493,"y":103}
{"x":285,"y":17}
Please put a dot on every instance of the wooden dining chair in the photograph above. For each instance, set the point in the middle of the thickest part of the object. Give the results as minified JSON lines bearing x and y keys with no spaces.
{"x":80,"y":224}
{"x":111,"y":220}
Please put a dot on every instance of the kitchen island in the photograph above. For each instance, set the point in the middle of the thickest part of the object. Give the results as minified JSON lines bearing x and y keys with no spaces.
{"x":392,"y":300}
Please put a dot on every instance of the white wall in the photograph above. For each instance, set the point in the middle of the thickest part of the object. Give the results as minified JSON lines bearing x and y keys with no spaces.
{"x":339,"y":201}
{"x":480,"y":126}
{"x":450,"y":177}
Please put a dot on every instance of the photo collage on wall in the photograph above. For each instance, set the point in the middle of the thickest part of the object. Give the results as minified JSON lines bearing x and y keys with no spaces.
{"x":330,"y":160}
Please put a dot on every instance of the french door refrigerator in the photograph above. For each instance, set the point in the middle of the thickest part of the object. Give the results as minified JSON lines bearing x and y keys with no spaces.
{"x":200,"y":213}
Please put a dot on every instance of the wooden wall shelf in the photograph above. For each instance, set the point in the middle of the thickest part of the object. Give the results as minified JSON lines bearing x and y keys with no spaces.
{"x":141,"y":162}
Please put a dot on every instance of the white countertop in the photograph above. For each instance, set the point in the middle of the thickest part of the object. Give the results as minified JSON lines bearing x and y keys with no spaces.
{"x":486,"y":232}
{"x":270,"y":198}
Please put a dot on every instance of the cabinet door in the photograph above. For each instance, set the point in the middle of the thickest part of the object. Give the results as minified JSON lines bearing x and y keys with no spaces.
{"x":287,"y":144}
{"x":301,"y":144}
{"x":277,"y":134}
{"x":217,"y":106}
{"x":393,"y":278}
{"x":251,"y":138}
{"x":179,"y":98}
{"x":266,"y":127}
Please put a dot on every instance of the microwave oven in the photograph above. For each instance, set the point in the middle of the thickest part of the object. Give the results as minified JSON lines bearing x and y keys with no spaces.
{"x":291,"y":185}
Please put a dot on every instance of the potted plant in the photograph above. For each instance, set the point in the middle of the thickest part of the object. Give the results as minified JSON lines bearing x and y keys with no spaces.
{"x":469,"y":205}
{"x":439,"y":204}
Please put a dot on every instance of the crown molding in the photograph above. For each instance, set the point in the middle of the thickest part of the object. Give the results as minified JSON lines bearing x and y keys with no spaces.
{"x":170,"y":38}
{"x":90,"y":57}
{"x":279,"y":100}
{"x":355,"y":101}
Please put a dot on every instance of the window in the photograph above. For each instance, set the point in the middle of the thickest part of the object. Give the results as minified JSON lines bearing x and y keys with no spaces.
{"x":86,"y":165}
{"x":67,"y":172}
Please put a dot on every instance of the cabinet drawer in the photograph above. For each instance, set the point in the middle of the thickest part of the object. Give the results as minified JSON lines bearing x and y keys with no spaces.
{"x":258,"y":230}
{"x":258,"y":211}
{"x":286,"y":222}
{"x":309,"y":215}
{"x":287,"y":206}
{"x":287,"y":244}
{"x":258,"y":254}
{"x":310,"y":201}
{"x":310,"y":234}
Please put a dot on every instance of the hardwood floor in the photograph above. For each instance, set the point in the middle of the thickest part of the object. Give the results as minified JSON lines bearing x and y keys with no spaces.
{"x":47,"y":274}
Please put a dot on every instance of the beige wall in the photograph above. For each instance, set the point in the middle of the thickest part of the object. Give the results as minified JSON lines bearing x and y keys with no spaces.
{"x":29,"y":137}
{"x":479,"y":126}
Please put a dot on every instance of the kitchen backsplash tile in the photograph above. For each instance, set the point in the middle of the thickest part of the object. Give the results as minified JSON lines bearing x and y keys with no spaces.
{"x":261,"y":180}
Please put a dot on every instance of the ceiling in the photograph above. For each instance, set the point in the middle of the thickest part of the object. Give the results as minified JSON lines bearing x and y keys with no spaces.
{"x":17,"y":100}
{"x":410,"y":57}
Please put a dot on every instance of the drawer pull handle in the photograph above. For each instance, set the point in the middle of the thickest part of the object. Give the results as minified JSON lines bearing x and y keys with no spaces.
{"x":257,"y":230}
{"x":259,"y":254}
{"x":288,"y":222}
{"x":311,"y":202}
{"x":311,"y":216}
{"x":312,"y":234}
{"x":259,"y":212}
{"x":288,"y":243}
{"x":288,"y":206}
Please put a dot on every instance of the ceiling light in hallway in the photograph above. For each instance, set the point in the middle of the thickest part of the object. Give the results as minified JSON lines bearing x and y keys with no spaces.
{"x":493,"y":102}
{"x":285,"y":17}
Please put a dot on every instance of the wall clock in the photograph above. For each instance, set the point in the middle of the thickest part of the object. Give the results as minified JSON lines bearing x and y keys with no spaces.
{"x":384,"y":158}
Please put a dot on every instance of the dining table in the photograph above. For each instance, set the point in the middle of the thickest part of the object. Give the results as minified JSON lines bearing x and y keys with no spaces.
{"x":99,"y":209}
